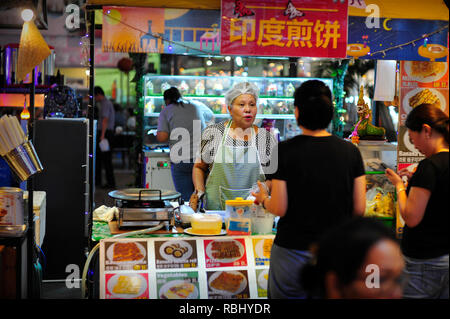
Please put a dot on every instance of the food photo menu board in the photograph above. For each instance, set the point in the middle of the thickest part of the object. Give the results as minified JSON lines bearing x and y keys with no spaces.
{"x":235,"y":267}
{"x":421,"y":82}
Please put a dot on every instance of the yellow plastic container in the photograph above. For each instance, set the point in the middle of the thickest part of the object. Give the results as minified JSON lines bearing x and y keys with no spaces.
{"x":239,"y":222}
{"x":238,"y":201}
{"x":206,"y":224}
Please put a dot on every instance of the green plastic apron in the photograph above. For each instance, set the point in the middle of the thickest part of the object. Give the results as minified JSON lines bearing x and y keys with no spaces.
{"x":234,"y":171}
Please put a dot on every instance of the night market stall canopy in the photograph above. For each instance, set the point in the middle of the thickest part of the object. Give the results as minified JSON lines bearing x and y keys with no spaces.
{"x":402,"y":25}
{"x":400,"y":9}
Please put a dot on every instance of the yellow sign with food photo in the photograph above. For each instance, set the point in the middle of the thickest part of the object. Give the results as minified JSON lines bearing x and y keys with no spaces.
{"x":424,"y":74}
{"x":413,"y":97}
{"x":261,"y":250}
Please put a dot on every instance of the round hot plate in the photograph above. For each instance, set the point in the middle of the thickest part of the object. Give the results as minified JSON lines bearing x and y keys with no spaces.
{"x":144,"y":194}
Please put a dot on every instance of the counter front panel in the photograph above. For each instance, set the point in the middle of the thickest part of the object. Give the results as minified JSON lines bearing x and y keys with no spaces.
{"x":229,"y":267}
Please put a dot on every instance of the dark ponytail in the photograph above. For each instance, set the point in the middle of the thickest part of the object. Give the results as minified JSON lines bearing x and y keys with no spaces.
{"x":173,"y":96}
{"x":431,"y":115}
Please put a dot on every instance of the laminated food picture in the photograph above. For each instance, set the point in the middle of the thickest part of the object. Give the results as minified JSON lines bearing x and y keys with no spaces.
{"x":424,"y":96}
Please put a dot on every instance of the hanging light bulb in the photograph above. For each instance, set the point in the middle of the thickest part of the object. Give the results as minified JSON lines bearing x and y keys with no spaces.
{"x":25,"y":115}
{"x":27,"y":15}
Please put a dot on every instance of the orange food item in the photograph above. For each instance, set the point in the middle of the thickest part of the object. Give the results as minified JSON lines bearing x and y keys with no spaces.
{"x":227,"y":282}
{"x":267,"y":247}
{"x":126,"y":252}
{"x":425,"y":69}
{"x":424,"y":96}
{"x":225,"y":249}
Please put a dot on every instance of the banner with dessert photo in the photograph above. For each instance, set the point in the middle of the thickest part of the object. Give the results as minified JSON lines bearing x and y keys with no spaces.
{"x":423,"y":82}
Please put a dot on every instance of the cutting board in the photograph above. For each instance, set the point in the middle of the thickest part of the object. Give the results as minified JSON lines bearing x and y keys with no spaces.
{"x":114,"y":228}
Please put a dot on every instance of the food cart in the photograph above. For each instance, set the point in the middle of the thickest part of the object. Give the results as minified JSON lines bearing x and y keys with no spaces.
{"x":147,"y":267}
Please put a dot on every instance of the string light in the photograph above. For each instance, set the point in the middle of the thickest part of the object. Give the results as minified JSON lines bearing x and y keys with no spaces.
{"x":156,"y":36}
{"x":400,"y":46}
{"x":25,"y":114}
{"x":413,"y":42}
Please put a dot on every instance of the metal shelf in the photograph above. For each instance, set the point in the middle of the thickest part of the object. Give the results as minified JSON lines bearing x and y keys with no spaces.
{"x":192,"y":96}
{"x":24,"y":90}
{"x":258,"y":116}
{"x":379,"y":148}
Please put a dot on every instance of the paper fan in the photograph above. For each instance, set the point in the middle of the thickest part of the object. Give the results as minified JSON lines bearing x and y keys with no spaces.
{"x":32,"y":50}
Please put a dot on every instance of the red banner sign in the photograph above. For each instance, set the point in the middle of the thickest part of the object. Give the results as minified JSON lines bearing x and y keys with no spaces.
{"x":289,"y":28}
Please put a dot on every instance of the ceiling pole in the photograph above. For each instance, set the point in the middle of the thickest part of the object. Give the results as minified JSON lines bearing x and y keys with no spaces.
{"x":91,"y":32}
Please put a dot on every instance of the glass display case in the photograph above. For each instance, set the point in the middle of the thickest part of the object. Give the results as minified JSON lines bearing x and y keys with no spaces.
{"x":378,"y":157}
{"x":381,"y":198}
{"x":276,"y":100}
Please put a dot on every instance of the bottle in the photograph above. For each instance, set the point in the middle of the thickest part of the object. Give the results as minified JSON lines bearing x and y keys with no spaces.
{"x":272,"y":89}
{"x":200,"y":88}
{"x":289,"y":91}
{"x":218,"y":88}
{"x":114,"y":90}
{"x":149,"y":86}
{"x":165,"y":86}
{"x":184,"y":88}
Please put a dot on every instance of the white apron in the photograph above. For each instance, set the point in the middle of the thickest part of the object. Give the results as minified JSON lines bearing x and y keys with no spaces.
{"x":234,"y":171}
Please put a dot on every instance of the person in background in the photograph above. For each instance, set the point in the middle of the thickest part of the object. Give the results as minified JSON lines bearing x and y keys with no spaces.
{"x":119,"y":118}
{"x":207,"y":114}
{"x":178,"y":123}
{"x":105,"y":131}
{"x":234,"y":154}
{"x":319,"y":183}
{"x":131,"y":120}
{"x":423,"y":205}
{"x":360,"y":259}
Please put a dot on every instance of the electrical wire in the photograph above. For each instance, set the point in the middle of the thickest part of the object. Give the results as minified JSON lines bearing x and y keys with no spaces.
{"x":43,"y":255}
{"x":413,"y":42}
{"x":155,"y":35}
{"x":96,"y":247}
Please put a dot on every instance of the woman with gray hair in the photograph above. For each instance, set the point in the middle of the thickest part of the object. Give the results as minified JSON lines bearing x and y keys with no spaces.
{"x":233,"y":154}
